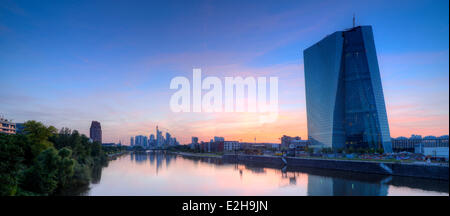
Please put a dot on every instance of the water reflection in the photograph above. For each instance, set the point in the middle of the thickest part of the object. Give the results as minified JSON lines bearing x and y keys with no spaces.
{"x":160,"y":173}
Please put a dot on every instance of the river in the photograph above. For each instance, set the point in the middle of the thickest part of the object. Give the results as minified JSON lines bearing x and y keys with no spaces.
{"x":159,"y":173}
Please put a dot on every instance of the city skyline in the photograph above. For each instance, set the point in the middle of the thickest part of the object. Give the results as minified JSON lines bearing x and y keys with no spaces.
{"x":67,"y":69}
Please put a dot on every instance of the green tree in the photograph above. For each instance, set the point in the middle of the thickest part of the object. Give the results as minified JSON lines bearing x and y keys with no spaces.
{"x":43,"y":162}
{"x":66,"y":167}
{"x":38,"y":134}
{"x":11,"y":157}
{"x":42,"y":177}
{"x":350,"y":150}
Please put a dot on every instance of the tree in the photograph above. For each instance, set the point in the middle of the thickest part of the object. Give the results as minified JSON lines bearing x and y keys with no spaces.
{"x":42,"y":177}
{"x":53,"y":170}
{"x":41,"y":161}
{"x":350,"y":150}
{"x":66,"y":167}
{"x":38,"y":134}
{"x":11,"y":157}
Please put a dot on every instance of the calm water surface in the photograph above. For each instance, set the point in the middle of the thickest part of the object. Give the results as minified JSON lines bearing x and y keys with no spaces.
{"x":159,"y":173}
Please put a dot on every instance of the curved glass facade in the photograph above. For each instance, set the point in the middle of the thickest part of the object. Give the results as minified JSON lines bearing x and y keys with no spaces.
{"x":344,"y":97}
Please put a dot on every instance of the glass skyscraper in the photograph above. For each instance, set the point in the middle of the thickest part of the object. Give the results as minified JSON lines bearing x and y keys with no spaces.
{"x":344,"y":98}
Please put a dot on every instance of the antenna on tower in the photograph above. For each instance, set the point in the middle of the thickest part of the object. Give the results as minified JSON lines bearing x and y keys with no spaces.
{"x":353,"y":20}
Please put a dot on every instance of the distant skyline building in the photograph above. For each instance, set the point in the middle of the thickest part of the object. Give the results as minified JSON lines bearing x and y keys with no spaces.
{"x":140,"y":140}
{"x":95,"y":132}
{"x":344,"y":97}
{"x":168,"y":139}
{"x":194,"y":143}
{"x":219,"y":139}
{"x":151,"y":140}
{"x":159,"y":138}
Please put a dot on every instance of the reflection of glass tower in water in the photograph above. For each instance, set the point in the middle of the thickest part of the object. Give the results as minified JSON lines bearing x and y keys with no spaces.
{"x":344,"y":98}
{"x":152,"y":158}
{"x":140,"y":157}
{"x":168,"y":159}
{"x":159,"y":161}
{"x":329,"y":186}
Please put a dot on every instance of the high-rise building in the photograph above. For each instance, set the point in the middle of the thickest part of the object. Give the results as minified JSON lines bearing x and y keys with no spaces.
{"x":95,"y":132}
{"x":131,"y":141}
{"x":140,"y":140}
{"x":344,"y":98}
{"x":144,"y":141}
{"x":159,"y":138}
{"x":168,"y":139}
{"x":194,"y":143}
{"x":151,"y":140}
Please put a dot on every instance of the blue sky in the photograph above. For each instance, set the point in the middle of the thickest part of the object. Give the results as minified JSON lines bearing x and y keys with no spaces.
{"x":66,"y":63}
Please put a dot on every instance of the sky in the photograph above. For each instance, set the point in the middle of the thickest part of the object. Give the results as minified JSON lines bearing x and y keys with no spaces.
{"x":66,"y":63}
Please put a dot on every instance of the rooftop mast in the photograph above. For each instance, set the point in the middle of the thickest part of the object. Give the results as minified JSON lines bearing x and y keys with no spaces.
{"x":353,"y":20}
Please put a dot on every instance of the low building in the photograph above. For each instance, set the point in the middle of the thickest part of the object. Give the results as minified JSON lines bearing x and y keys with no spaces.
{"x":402,"y":144}
{"x":7,"y":126}
{"x":412,"y":144}
{"x":299,"y":145}
{"x":288,"y":142}
{"x":435,"y":152}
{"x":231,"y":145}
{"x":431,"y":146}
{"x":212,"y":146}
{"x":263,"y":146}
{"x":109,"y":144}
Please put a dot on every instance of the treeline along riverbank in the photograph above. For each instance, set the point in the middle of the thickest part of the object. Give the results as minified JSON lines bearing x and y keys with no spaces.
{"x":44,"y":161}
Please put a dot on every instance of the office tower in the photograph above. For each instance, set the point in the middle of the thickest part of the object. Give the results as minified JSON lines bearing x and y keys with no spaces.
{"x":137,"y":140}
{"x":344,"y":98}
{"x":152,"y":140}
{"x":194,"y":143}
{"x":168,"y":138}
{"x":145,"y":141}
{"x":95,"y":132}
{"x":159,"y":137}
{"x":131,"y":141}
{"x":141,"y":140}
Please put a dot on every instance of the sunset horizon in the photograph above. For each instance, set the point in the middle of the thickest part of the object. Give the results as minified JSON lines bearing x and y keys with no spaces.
{"x":117,"y":69}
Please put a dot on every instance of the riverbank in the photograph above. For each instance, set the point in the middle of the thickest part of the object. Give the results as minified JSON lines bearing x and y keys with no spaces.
{"x":115,"y":155}
{"x":189,"y":154}
{"x":430,"y":171}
